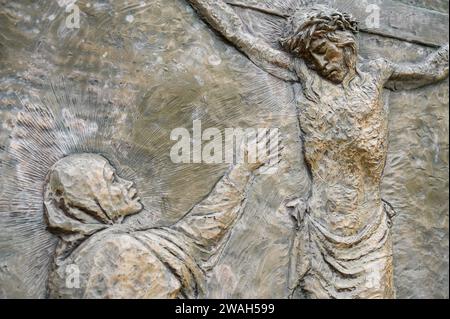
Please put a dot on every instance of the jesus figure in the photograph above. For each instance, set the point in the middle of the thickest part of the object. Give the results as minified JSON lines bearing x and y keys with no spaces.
{"x":344,"y":243}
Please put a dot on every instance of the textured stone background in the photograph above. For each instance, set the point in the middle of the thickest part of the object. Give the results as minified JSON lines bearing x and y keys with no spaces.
{"x":152,"y":66}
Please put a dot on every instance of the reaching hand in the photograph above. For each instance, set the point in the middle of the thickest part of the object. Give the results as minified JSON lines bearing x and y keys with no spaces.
{"x":263,"y":151}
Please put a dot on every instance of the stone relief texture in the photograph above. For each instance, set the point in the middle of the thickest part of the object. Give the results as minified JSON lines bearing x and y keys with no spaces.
{"x":105,"y":98}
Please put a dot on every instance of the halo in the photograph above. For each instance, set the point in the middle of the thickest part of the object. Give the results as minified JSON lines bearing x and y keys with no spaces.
{"x":68,"y":120}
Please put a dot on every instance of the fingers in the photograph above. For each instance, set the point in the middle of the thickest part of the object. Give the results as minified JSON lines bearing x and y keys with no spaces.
{"x":275,"y":155}
{"x":271,"y":148}
{"x":274,"y":144}
{"x":265,"y":136}
{"x":263,"y":148}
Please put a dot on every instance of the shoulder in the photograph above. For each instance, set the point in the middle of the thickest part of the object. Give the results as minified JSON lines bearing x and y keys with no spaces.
{"x":117,"y":265}
{"x":380,"y":68}
{"x":378,"y":65}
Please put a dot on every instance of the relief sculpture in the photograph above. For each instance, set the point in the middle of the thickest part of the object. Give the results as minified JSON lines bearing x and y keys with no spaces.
{"x":344,"y":244}
{"x":119,"y":170}
{"x":85,"y":204}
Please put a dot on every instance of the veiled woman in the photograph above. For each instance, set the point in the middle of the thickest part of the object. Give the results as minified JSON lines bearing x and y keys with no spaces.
{"x":85,"y":203}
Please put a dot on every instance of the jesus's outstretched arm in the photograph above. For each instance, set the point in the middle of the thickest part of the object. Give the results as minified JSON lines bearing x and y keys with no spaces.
{"x":222,"y":17}
{"x":433,"y":69}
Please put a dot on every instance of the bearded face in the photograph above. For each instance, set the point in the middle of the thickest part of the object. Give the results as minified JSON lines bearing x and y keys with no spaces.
{"x":325,"y":39}
{"x":332,"y":60}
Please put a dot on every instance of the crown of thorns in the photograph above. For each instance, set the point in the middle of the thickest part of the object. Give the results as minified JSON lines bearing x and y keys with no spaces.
{"x":306,"y":25}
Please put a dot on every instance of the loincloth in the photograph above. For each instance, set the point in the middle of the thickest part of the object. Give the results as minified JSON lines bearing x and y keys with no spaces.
{"x":325,"y":265}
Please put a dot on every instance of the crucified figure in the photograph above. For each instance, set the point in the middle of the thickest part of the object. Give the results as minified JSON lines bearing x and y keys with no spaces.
{"x":344,"y":245}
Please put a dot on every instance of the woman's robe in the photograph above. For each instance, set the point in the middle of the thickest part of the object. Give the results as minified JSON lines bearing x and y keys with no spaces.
{"x":165,"y":262}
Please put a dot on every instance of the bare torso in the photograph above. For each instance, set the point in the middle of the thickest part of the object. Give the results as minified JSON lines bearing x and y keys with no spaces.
{"x":345,"y":142}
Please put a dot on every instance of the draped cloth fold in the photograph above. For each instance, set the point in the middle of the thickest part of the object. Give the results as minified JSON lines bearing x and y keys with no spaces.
{"x":121,"y":264}
{"x":326,"y":265}
{"x":96,"y":260}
